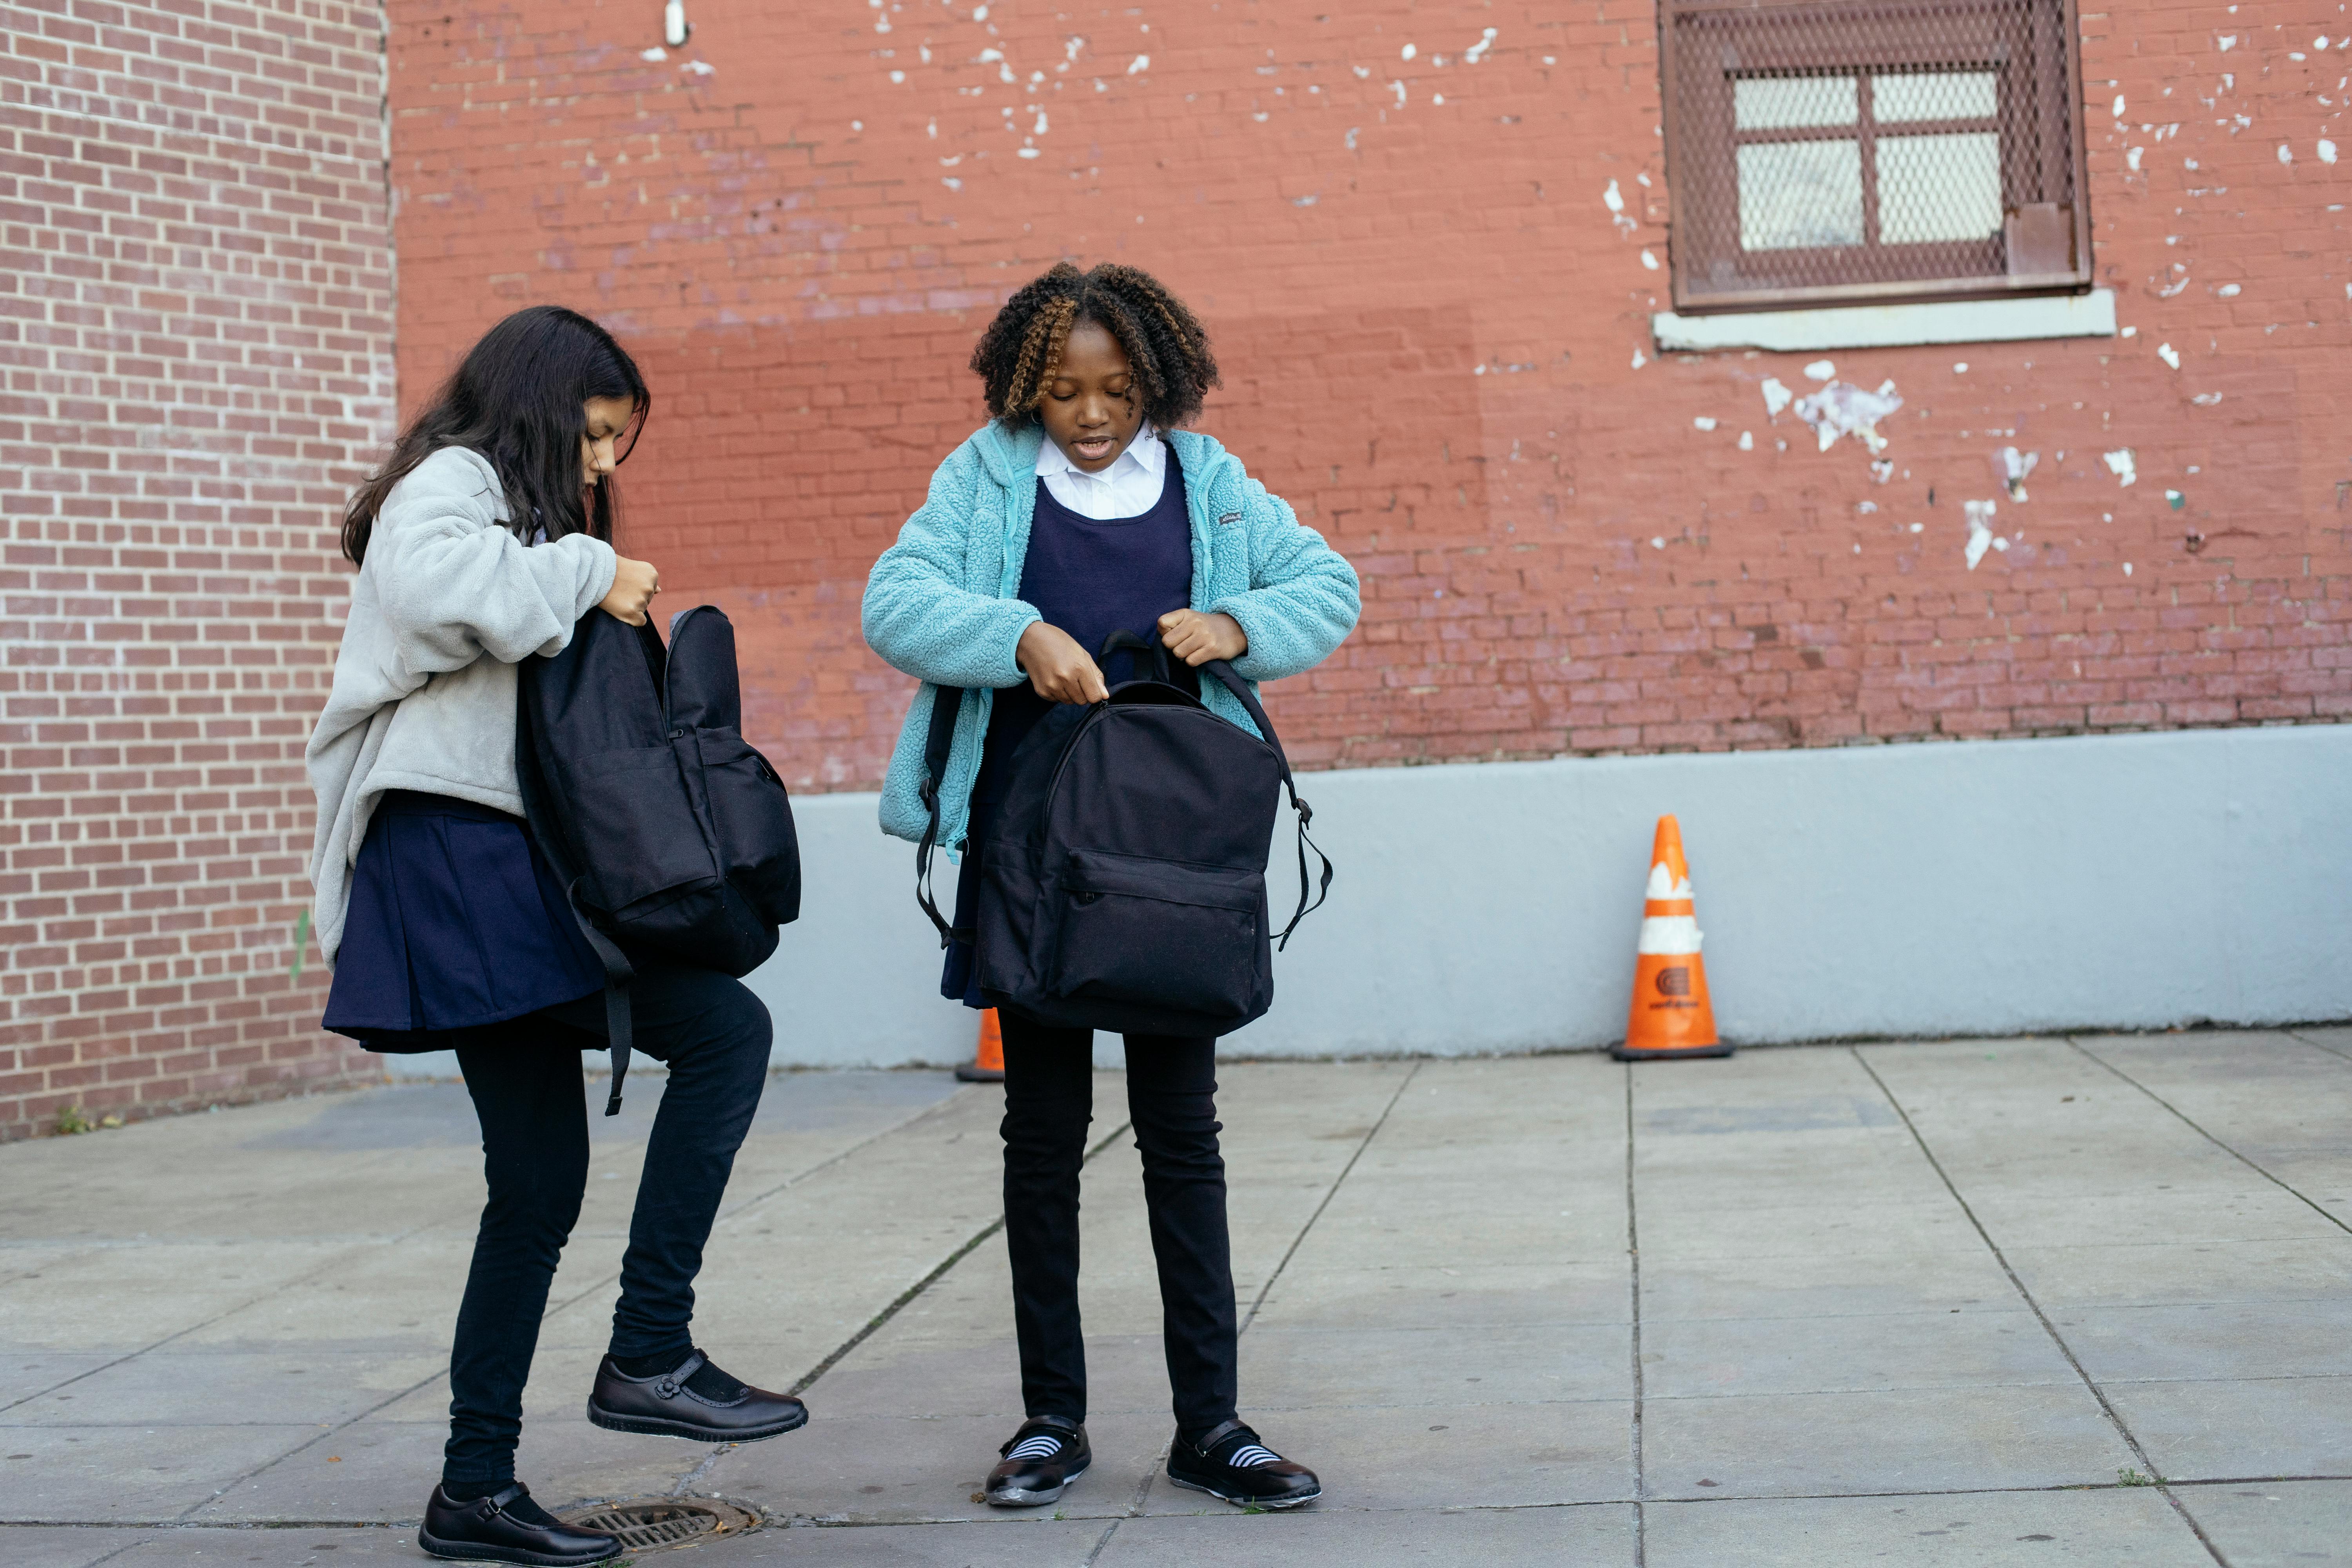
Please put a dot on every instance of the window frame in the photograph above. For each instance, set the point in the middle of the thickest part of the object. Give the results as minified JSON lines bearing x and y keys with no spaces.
{"x":1882,"y":41}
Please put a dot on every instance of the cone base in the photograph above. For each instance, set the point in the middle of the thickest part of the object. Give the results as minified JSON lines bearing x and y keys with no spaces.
{"x":972,"y":1073}
{"x":1646,"y":1054}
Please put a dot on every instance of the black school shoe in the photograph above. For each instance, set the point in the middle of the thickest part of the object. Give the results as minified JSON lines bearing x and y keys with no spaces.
{"x":1047,"y":1453}
{"x":710,"y":1407}
{"x":1230,"y":1463}
{"x":489,"y":1531}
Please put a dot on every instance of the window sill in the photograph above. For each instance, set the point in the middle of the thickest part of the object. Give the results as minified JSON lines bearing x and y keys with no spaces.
{"x":2091,"y":315}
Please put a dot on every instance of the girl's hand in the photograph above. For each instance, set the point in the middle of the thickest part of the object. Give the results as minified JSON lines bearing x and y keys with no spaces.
{"x":634,"y":587}
{"x":1197,"y":638}
{"x":1057,"y":667}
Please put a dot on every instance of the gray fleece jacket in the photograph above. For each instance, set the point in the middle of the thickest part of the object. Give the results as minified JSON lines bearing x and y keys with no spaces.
{"x":446,"y":603}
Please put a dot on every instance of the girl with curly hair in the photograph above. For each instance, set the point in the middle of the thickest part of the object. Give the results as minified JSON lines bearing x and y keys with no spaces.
{"x":1083,"y":509}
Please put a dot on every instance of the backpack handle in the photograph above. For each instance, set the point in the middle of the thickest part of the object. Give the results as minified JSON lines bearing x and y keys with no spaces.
{"x":1233,"y":683}
{"x":1123,"y":638}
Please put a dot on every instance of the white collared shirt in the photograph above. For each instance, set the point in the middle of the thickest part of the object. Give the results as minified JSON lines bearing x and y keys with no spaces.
{"x":1128,"y":488}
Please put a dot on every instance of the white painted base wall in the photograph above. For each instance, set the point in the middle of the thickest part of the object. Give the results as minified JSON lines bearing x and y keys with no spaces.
{"x":2131,"y":881}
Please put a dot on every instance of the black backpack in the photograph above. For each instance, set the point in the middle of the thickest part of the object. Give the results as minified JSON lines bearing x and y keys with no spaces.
{"x":1123,"y":884}
{"x":670,"y":831}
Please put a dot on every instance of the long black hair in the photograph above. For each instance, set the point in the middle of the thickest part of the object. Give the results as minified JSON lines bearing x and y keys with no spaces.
{"x":516,"y":400}
{"x":1021,"y":353}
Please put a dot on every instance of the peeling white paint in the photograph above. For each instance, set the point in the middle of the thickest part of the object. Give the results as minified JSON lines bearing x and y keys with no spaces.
{"x":2118,"y":109}
{"x":2227,"y":290}
{"x":2123,"y":464}
{"x":1747,"y":440}
{"x":2286,"y":154}
{"x":1613,"y":198}
{"x":1140,"y":63}
{"x":1882,"y":470}
{"x":2206,"y":399}
{"x":2014,"y":466}
{"x":2169,"y":354}
{"x":2126,"y":568}
{"x":2229,"y":42}
{"x":2131,"y":158}
{"x":1649,"y":261}
{"x":1477,"y":51}
{"x":654,"y":55}
{"x":1776,"y":396}
{"x":1639,"y":359}
{"x":1702,"y":422}
{"x":2327,"y":151}
{"x":1960,"y":368}
{"x":699,"y":67}
{"x":1658,"y":543}
{"x":1841,"y":408}
{"x":1980,"y":538}
{"x":1820,"y":370}
{"x":1411,"y":50}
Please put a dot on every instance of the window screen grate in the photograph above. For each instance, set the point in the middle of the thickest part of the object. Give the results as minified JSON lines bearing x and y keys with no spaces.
{"x":1824,"y":152}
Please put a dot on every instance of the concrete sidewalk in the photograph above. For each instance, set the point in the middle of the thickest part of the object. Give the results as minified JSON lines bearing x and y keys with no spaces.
{"x":2044,"y":1300}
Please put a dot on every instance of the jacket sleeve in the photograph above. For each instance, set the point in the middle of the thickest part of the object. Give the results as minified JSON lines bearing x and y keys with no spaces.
{"x":919,"y":617}
{"x":1303,"y":598}
{"x":454,"y":583}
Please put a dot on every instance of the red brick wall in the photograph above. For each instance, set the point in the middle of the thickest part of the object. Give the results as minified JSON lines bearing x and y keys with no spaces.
{"x":195,"y":332}
{"x":1436,"y":336}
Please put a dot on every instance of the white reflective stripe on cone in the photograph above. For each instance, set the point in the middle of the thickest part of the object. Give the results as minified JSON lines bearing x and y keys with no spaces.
{"x":1669,"y":934}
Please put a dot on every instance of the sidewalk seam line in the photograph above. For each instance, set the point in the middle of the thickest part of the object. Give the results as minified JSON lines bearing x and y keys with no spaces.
{"x":1633,"y":1269}
{"x":2018,"y":1284}
{"x":1332,"y":1192}
{"x":875,"y":1323}
{"x":2191,"y":1124}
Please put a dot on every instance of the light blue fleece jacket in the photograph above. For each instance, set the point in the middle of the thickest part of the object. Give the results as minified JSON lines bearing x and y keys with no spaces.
{"x":942,"y":604}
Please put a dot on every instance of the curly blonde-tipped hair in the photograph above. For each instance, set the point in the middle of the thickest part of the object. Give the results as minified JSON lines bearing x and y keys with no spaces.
{"x":1021,"y":353}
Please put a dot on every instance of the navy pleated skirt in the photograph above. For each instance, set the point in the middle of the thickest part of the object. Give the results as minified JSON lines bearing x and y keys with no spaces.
{"x":455,"y":922}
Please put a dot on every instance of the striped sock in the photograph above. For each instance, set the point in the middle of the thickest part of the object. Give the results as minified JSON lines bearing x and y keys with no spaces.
{"x":1043,"y":1446}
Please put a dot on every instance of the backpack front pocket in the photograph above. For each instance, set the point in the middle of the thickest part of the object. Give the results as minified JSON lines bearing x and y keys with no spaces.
{"x":1159,"y":933}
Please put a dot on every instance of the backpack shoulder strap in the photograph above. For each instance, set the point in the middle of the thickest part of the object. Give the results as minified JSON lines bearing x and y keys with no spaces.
{"x":1233,"y":683}
{"x":947,"y":702}
{"x":545,"y":827}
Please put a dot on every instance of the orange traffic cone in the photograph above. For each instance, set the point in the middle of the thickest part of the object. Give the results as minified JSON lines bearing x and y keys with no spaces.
{"x":987,"y":1064}
{"x":1670,"y":1015}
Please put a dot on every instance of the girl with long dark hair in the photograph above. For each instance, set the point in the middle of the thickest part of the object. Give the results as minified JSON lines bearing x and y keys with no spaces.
{"x":480,"y":544}
{"x":1078,"y":511}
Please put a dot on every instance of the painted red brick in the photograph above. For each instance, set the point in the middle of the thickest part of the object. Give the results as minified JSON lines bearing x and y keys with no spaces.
{"x":196,"y":314}
{"x":1436,"y":344}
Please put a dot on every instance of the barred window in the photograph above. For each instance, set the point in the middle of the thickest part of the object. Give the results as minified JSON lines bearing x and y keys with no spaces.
{"x":1829,"y":152}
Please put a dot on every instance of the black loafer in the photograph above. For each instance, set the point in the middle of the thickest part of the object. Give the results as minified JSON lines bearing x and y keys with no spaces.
{"x":1230,"y":1463}
{"x":664,"y":1406}
{"x":484,"y":1532}
{"x":1047,"y":1453}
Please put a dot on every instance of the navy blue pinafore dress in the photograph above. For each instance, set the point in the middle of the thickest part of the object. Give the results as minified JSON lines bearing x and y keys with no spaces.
{"x":1089,"y":578}
{"x":455,"y":922}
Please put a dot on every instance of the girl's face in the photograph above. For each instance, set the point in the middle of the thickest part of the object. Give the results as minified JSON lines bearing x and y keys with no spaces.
{"x":1093,"y":409}
{"x":607,"y":417}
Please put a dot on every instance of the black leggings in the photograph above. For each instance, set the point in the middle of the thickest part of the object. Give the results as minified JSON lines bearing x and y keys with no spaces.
{"x":1172,"y":1096}
{"x":525,"y":1080}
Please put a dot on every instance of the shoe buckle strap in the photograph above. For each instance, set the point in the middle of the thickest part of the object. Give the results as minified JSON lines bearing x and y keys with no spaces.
{"x":496,"y":1503}
{"x":1060,"y":1425}
{"x":669,"y":1384}
{"x":1218,"y":1434}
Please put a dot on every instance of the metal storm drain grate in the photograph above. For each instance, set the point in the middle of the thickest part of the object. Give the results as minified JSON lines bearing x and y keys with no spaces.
{"x":655,"y":1525}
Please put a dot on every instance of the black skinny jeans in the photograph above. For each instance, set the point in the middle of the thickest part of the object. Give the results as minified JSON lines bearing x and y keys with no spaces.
{"x":1172,"y":1096}
{"x":525,"y":1078}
